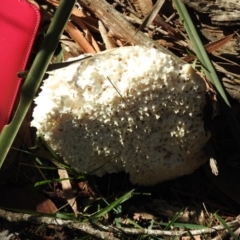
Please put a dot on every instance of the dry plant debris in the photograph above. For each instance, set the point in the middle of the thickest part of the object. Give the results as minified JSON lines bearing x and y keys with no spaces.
{"x":221,"y":12}
{"x":107,"y":232}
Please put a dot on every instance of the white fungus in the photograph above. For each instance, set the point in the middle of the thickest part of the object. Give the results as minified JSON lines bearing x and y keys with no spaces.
{"x":132,"y":109}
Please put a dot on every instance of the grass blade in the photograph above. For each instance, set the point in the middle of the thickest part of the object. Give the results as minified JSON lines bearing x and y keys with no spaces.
{"x":112,"y":205}
{"x":35,"y":75}
{"x":199,"y":49}
{"x":174,"y":219}
{"x":45,"y":182}
{"x":208,"y":68}
{"x":227,"y":227}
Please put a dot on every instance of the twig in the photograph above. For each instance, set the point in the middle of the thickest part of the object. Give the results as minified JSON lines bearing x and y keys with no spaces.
{"x":106,"y":232}
{"x":121,"y":28}
{"x":128,"y":8}
{"x":38,"y":219}
{"x":152,"y":14}
{"x":150,"y":27}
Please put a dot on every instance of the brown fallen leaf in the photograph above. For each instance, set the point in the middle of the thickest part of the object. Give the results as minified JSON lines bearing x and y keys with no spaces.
{"x":213,"y":46}
{"x":89,"y":21}
{"x":78,"y":37}
{"x":88,"y":45}
{"x":67,"y":190}
{"x":87,"y":33}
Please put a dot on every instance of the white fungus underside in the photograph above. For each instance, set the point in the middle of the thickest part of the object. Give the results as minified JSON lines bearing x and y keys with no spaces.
{"x":134,"y":107}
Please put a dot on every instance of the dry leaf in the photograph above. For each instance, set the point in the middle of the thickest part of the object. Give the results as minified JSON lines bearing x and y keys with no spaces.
{"x":78,"y":37}
{"x":109,"y":43}
{"x":143,"y":215}
{"x":159,"y":21}
{"x":87,"y":33}
{"x":67,"y":190}
{"x":70,"y":46}
{"x":214,"y":46}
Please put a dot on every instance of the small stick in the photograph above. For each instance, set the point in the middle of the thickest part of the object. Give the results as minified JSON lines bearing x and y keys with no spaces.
{"x":109,"y":43}
{"x":106,"y":231}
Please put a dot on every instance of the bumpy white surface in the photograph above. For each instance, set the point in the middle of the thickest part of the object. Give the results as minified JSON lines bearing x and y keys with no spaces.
{"x":133,"y":107}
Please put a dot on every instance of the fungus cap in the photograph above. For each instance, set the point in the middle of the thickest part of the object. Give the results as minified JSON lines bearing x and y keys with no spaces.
{"x":135,"y":108}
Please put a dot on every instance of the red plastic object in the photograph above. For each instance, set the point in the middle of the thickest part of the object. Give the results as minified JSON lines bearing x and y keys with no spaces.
{"x":19,"y":21}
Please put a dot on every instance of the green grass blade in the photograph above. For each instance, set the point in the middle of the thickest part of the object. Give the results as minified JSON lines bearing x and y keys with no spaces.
{"x":183,"y":225}
{"x":134,"y":224}
{"x":112,"y":205}
{"x":151,"y":224}
{"x":40,"y":167}
{"x":50,"y":150}
{"x":199,"y":49}
{"x":35,"y":75}
{"x":173,"y":220}
{"x":208,"y":68}
{"x":40,"y":183}
{"x":226,"y":227}
{"x":118,"y":218}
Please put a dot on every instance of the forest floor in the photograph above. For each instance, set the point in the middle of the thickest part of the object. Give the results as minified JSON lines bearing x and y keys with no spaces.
{"x":29,"y":179}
